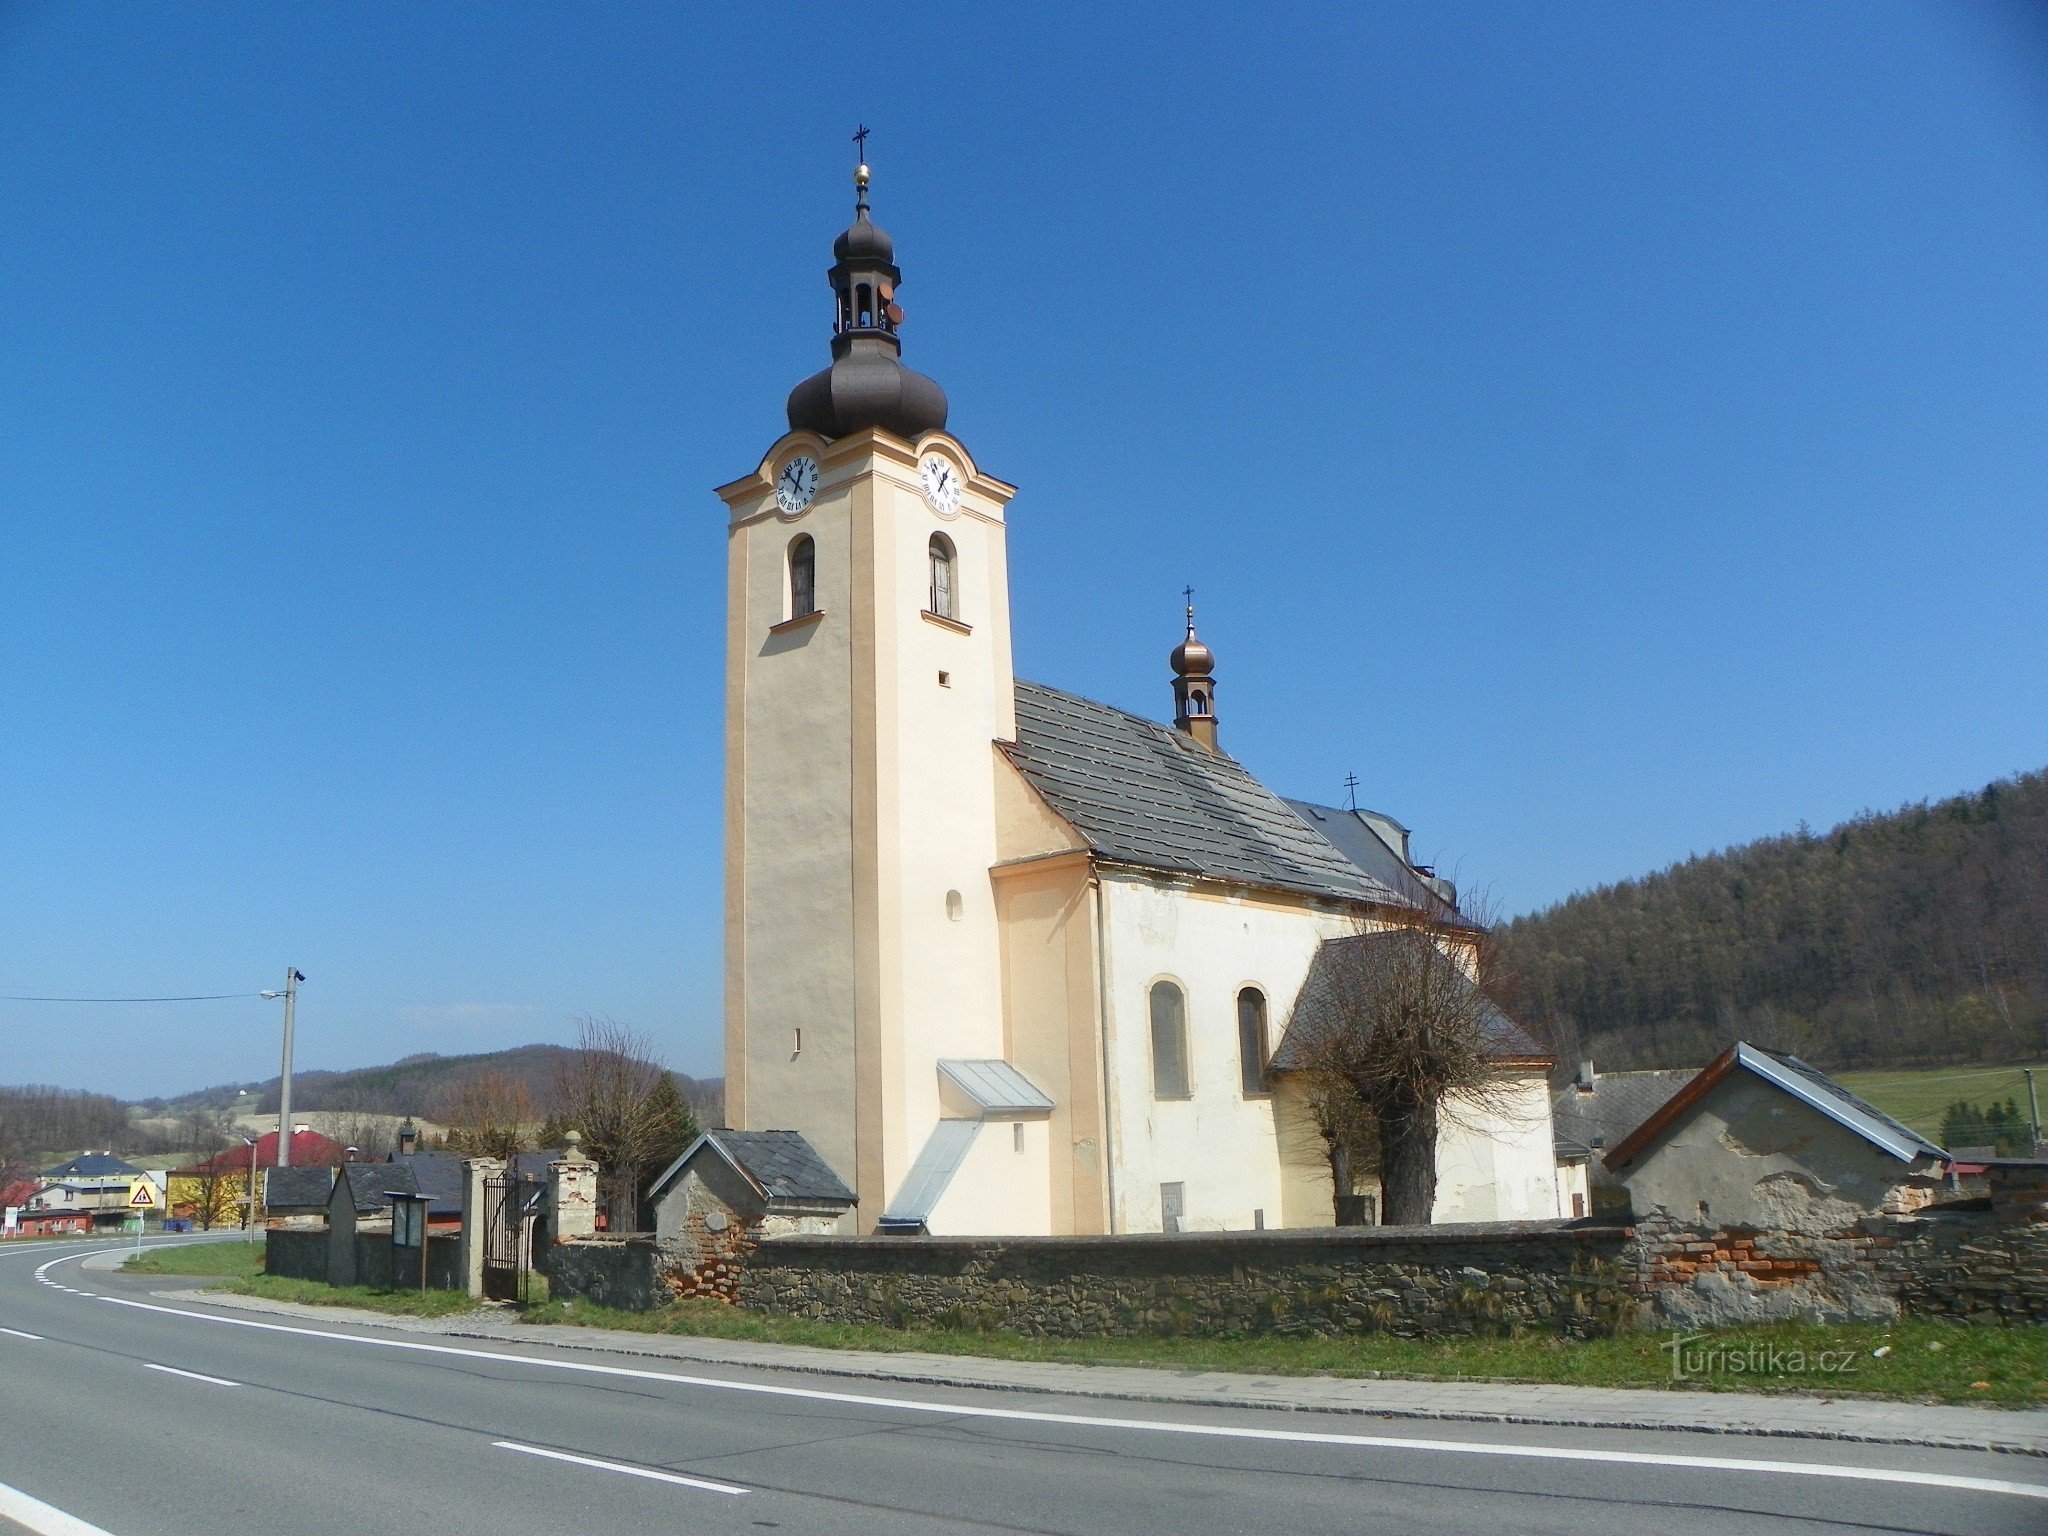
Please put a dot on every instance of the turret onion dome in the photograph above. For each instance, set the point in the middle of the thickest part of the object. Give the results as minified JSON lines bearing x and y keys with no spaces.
{"x":1191,"y":658}
{"x":867,"y":384}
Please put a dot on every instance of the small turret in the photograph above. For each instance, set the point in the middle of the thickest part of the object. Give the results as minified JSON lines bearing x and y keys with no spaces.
{"x":1194,"y":684}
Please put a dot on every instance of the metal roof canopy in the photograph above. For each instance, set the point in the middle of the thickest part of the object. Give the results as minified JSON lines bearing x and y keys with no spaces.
{"x":996,"y":1087}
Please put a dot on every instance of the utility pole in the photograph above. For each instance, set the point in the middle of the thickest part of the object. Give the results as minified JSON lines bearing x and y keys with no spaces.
{"x":2033,"y":1104}
{"x":292,"y":978}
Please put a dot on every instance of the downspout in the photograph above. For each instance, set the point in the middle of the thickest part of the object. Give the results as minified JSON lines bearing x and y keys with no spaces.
{"x":1102,"y":1015}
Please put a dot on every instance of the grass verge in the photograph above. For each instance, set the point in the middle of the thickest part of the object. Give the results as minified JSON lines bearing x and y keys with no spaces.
{"x":227,"y":1260}
{"x":401,"y":1303}
{"x":1927,"y":1362}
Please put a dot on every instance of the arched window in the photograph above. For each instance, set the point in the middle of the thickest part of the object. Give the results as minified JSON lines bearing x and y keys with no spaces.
{"x":864,"y":306}
{"x":943,"y":599}
{"x":1251,"y":1041}
{"x":1169,"y":1041}
{"x":803,"y":576}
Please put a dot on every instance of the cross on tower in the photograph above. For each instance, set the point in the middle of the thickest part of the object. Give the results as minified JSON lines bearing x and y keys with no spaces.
{"x":1351,"y":788}
{"x":860,"y":140}
{"x":1189,"y":594}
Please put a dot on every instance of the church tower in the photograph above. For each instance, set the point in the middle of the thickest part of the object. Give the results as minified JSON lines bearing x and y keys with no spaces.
{"x":868,"y":676}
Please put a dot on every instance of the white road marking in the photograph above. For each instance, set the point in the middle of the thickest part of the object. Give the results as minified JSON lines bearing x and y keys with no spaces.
{"x":172,"y":1370}
{"x":1160,"y":1426}
{"x":43,"y":1519}
{"x":619,"y":1466}
{"x":17,"y":1333}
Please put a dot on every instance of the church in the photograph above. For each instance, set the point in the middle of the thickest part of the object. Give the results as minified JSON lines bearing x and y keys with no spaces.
{"x":1010,"y":960}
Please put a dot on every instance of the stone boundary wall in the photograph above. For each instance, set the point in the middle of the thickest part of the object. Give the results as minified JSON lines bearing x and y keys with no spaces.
{"x":1566,"y":1278}
{"x":302,"y":1255}
{"x":609,"y":1272}
{"x":1959,"y":1263}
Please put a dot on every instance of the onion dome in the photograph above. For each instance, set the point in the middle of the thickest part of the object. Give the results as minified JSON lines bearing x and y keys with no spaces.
{"x":867,"y":384}
{"x":1194,"y":684}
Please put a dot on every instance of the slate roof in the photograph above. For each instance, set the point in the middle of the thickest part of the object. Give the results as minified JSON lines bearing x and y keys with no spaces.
{"x":1354,"y":837}
{"x":438,"y":1175}
{"x":1321,"y":989}
{"x":1145,"y":794}
{"x":367,"y":1184}
{"x":782,"y":1164}
{"x":92,"y":1165}
{"x":1583,"y":1124}
{"x":298,"y":1188}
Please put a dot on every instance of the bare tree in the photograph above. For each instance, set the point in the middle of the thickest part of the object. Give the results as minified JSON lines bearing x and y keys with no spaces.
{"x":1394,"y":1031}
{"x":605,"y":1089}
{"x":350,"y":1120}
{"x":489,"y":1115}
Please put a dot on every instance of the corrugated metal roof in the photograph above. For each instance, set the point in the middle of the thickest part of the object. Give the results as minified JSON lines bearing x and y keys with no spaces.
{"x":1812,"y":1086}
{"x":1145,"y":794}
{"x":996,"y":1086}
{"x":925,"y":1184}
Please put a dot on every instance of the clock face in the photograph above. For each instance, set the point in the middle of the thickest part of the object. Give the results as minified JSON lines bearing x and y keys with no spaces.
{"x":797,"y":484}
{"x":941,"y":482}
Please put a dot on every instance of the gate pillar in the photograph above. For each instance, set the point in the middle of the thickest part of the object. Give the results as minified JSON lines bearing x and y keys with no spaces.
{"x":474,"y":1171}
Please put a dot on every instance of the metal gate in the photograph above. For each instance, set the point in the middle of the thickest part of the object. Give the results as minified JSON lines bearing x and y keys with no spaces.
{"x":501,"y":1239}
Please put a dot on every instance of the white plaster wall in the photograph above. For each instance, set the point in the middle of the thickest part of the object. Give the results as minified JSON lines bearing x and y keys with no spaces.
{"x":999,"y":1189}
{"x":1219,"y":1144}
{"x":1572,"y":1180}
{"x":1494,"y":1159}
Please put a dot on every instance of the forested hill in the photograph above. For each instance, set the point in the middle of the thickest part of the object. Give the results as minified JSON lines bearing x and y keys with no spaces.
{"x":1920,"y":936}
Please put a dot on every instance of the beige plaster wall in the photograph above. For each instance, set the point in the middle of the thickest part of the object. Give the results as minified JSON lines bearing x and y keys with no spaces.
{"x":1046,"y":914}
{"x":861,"y":815}
{"x":1752,"y":1156}
{"x":1001,"y":1187}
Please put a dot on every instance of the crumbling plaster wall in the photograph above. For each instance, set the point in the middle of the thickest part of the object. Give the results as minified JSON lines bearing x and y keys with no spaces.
{"x":1752,"y":1157}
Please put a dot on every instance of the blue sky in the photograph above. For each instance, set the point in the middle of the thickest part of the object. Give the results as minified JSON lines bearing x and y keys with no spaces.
{"x":1611,"y":432}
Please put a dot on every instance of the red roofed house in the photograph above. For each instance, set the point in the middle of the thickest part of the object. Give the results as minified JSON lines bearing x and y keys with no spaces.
{"x":211,"y":1192}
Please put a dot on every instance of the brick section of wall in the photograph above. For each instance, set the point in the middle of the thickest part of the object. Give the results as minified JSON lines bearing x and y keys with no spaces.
{"x":1416,"y":1282}
{"x":1976,"y":1265}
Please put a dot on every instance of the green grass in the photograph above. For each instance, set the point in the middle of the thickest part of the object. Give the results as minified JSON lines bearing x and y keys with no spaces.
{"x":1918,"y":1095}
{"x":402,"y":1303}
{"x":234,"y":1260}
{"x":1925,"y":1361}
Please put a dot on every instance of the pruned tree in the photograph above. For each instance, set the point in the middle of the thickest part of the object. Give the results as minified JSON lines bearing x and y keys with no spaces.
{"x":489,"y":1115}
{"x":1394,"y":1033}
{"x":606,"y":1090}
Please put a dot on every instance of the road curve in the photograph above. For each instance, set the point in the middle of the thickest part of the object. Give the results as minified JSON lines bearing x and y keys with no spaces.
{"x":126,"y":1412}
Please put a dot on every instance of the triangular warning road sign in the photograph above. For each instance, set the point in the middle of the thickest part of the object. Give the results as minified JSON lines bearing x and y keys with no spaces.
{"x":143,"y":1196}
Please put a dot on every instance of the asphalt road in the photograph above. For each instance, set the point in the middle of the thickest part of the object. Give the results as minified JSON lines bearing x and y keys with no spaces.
{"x":142,"y":1416}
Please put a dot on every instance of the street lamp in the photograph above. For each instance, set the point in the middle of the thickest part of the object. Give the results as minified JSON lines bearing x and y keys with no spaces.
{"x":292,"y":977}
{"x":249,"y":1194}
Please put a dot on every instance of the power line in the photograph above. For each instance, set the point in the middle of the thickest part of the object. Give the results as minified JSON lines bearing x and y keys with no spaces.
{"x":211,"y":997}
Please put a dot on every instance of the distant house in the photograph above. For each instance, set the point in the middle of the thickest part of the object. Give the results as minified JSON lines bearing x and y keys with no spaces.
{"x":97,"y":1184}
{"x":1594,"y":1112}
{"x":297,"y":1191}
{"x":1759,"y":1140}
{"x":211,"y":1192}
